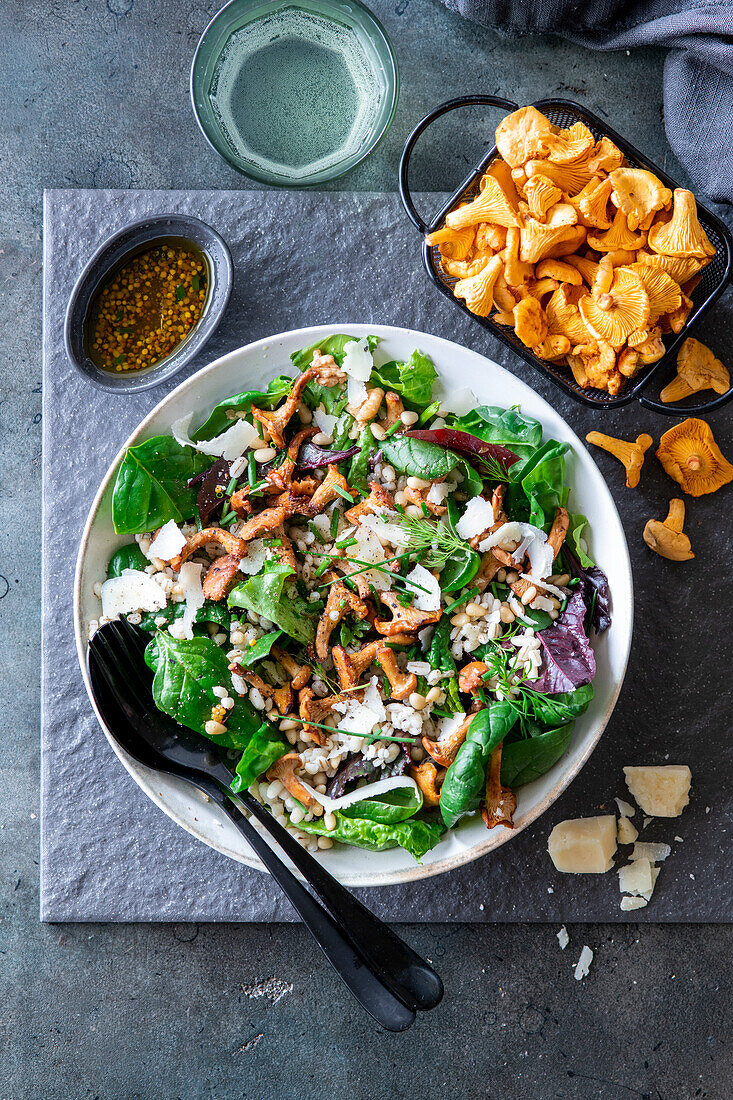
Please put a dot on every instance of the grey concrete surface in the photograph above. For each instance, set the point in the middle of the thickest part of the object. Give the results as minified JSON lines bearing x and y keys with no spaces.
{"x":95,"y":94}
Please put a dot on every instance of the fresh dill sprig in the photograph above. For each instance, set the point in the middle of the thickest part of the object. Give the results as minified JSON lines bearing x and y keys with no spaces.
{"x":438,"y":543}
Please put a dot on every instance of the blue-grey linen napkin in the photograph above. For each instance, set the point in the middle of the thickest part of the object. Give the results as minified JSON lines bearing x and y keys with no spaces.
{"x":698,"y":72}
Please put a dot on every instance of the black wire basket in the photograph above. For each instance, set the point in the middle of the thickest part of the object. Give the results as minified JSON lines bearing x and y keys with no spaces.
{"x":715,"y":277}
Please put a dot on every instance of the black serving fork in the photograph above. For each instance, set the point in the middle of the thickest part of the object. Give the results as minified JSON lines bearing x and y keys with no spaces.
{"x":388,"y":978}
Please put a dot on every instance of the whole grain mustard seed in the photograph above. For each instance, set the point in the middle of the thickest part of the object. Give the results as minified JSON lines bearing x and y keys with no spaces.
{"x":147,"y":308}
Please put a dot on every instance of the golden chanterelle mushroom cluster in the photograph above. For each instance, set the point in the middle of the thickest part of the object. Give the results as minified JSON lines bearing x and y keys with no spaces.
{"x":589,"y":260}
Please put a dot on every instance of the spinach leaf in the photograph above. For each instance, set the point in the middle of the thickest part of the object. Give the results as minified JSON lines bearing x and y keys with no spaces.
{"x":439,"y":656}
{"x":218,"y":421}
{"x":211,"y":612}
{"x":542,"y":483}
{"x":459,"y":571}
{"x":329,"y":345}
{"x":186,"y":672}
{"x":359,"y":470}
{"x":465,"y":779}
{"x":333,"y":398}
{"x":260,"y":649}
{"x":578,"y":523}
{"x":507,"y":427}
{"x":273,"y":595}
{"x":152,"y":485}
{"x":127,"y":557}
{"x":416,"y":836}
{"x":387,"y":808}
{"x":264,"y":748}
{"x":341,"y":438}
{"x":415,"y":458}
{"x":523,"y":761}
{"x":554,"y":710}
{"x":413,"y":380}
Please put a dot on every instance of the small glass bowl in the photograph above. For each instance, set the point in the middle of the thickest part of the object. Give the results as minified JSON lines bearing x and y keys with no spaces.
{"x":108,"y":258}
{"x":236,"y":15}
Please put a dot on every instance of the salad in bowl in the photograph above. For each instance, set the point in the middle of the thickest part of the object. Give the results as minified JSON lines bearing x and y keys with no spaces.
{"x":376,"y":603}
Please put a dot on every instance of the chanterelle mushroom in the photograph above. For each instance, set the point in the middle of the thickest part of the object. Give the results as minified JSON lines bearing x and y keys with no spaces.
{"x":351,"y":666}
{"x":274,"y":423}
{"x":638,"y":194}
{"x":612,"y":316}
{"x":490,"y":205}
{"x":499,"y":802}
{"x":630,"y":454}
{"x":233,"y":544}
{"x":478,"y":291}
{"x":668,"y":539}
{"x":340,"y":602}
{"x":379,"y":499}
{"x":689,"y":454}
{"x":284,"y":770}
{"x":683,"y":235}
{"x":697,"y":369}
{"x":454,"y":244}
{"x":429,"y":779}
{"x":444,"y":750}
{"x":404,"y":619}
{"x":521,"y":135}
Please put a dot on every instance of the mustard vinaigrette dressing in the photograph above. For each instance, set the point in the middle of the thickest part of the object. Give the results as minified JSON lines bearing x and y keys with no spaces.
{"x":146,"y":308}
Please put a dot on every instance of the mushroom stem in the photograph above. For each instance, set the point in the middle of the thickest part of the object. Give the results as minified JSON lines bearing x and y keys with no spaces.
{"x":630,"y":454}
{"x":676,"y":516}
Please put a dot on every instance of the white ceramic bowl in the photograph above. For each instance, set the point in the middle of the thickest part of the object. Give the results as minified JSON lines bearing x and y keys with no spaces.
{"x":252,"y":366}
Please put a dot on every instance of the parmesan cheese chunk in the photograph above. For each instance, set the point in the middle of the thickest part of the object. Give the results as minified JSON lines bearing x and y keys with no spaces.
{"x":627,"y":903}
{"x":190,"y":581}
{"x":636,"y":878}
{"x":428,"y":600}
{"x":325,"y":422}
{"x":228,"y":445}
{"x":660,"y":790}
{"x":534,"y":543}
{"x":563,"y":938}
{"x":256,"y":556}
{"x":583,"y":966}
{"x":358,"y":360}
{"x":169,"y":541}
{"x":585,"y":845}
{"x":133,"y":590}
{"x":655,"y":853}
{"x":626,"y":833}
{"x":624,"y":808}
{"x":477,"y":518}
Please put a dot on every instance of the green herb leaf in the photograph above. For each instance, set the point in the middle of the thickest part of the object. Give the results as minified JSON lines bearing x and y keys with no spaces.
{"x":260,"y":649}
{"x":413,"y":380}
{"x":273,"y":595}
{"x":416,"y":458}
{"x":180,"y":292}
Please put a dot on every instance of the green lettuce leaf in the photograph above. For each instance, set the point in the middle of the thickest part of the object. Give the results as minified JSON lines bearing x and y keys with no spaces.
{"x":413,"y":380}
{"x":329,"y":345}
{"x":260,"y":649}
{"x":264,"y":748}
{"x":218,"y":421}
{"x":508,"y":427}
{"x":152,"y":485}
{"x":186,"y":672}
{"x":465,"y":779}
{"x":387,"y":808}
{"x":578,"y":523}
{"x":127,"y":557}
{"x":358,"y":475}
{"x":273,"y":595}
{"x":415,"y":836}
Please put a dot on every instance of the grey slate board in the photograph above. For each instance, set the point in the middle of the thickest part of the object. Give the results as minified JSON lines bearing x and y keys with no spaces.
{"x":107,"y":853}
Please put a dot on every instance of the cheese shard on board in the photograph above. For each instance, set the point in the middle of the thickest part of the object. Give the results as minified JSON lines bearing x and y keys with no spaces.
{"x":583,"y":965}
{"x":626,"y":832}
{"x":585,"y":845}
{"x":660,"y":790}
{"x":627,"y":904}
{"x":636,"y":878}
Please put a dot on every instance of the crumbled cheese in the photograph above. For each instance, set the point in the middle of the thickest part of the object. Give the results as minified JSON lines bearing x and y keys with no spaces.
{"x":655,"y":875}
{"x":256,"y":556}
{"x":584,"y":845}
{"x":448,"y":725}
{"x":627,"y":903}
{"x":358,"y":360}
{"x":405,"y":718}
{"x":626,"y":832}
{"x":438,"y":492}
{"x":190,"y":581}
{"x":420,"y":668}
{"x":423,"y":601}
{"x":361,"y":718}
{"x":538,"y":550}
{"x":228,"y":445}
{"x":477,"y":518}
{"x":624,"y":808}
{"x":636,"y":878}
{"x":563,"y":938}
{"x":583,"y":964}
{"x":655,"y":853}
{"x":370,"y":790}
{"x":325,"y":422}
{"x":169,"y":541}
{"x":661,"y":791}
{"x":132,"y":591}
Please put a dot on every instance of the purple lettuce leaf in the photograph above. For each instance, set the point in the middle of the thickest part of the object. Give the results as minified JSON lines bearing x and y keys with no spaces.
{"x":595,"y":590}
{"x":361,"y":768}
{"x":212,"y":486}
{"x":467,"y":445}
{"x":311,"y":456}
{"x":567,"y":656}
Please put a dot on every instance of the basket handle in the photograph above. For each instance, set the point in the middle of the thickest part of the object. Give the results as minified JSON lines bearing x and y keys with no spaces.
{"x":443,"y":109}
{"x":675,"y":409}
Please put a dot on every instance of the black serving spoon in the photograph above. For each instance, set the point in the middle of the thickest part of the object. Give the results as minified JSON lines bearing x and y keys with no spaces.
{"x":386,"y":976}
